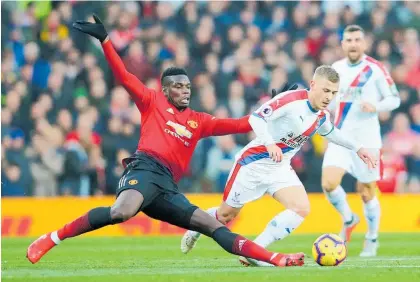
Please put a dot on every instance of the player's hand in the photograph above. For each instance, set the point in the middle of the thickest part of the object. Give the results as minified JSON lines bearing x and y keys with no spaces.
{"x":368,"y":107}
{"x":96,"y":29}
{"x":275,"y":153}
{"x":286,"y":87}
{"x":368,"y":158}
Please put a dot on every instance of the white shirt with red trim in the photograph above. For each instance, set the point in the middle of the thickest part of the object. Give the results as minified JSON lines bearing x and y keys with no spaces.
{"x":367,"y":81}
{"x":287,"y":120}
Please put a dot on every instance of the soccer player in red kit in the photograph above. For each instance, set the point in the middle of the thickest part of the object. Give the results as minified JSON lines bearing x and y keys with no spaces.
{"x":169,"y":134}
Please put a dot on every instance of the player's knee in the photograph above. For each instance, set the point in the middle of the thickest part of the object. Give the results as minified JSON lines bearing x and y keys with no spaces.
{"x":329,"y":185}
{"x":119,"y":214}
{"x":301,"y":209}
{"x":367,"y":192}
{"x":367,"y":195}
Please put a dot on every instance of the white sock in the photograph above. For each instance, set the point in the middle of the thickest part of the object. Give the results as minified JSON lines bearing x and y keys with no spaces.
{"x":338,"y":199}
{"x":54,"y":237}
{"x":210,"y":211}
{"x":279,"y":228}
{"x":372,"y":214}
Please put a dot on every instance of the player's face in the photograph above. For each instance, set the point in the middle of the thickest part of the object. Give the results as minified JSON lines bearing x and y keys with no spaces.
{"x":178,"y":88}
{"x":324,"y":92}
{"x":354,"y":45}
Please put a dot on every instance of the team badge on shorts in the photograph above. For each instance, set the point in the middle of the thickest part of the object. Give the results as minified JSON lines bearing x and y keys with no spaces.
{"x":193,"y":124}
{"x":133,"y":182}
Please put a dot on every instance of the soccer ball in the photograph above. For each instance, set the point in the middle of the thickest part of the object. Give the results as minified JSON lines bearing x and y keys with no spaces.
{"x":329,"y":250}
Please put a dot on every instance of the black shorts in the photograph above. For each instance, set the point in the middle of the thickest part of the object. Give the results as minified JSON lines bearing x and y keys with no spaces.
{"x":162,"y":200}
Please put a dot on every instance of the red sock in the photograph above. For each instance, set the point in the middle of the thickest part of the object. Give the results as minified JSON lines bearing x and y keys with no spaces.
{"x":96,"y":218}
{"x":79,"y":226}
{"x":247,"y":248}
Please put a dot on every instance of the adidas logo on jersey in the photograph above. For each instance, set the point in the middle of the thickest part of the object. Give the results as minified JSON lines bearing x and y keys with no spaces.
{"x":170,"y":110}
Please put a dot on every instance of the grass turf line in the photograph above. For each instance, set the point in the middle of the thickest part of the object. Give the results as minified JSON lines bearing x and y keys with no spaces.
{"x":159,"y":259}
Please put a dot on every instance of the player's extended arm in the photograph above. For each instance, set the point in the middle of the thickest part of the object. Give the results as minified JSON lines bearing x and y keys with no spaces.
{"x":258,"y":122}
{"x":340,"y":138}
{"x":137,"y":90}
{"x":388,"y":103}
{"x":225,"y":126}
{"x":140,"y":94}
{"x":391,"y":98}
{"x":260,"y":127}
{"x":335,"y":135}
{"x":258,"y":119}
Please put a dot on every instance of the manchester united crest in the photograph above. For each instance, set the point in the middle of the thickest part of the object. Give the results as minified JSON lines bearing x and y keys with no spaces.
{"x":193,"y":124}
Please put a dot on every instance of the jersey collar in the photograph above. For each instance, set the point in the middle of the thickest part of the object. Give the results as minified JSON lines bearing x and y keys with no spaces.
{"x":310,"y":107}
{"x":356,"y":64}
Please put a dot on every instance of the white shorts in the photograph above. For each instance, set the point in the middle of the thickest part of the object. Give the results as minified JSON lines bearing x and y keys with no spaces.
{"x":348,"y":160}
{"x":250,"y":182}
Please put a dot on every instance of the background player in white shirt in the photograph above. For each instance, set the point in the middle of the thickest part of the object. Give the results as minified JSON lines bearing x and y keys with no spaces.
{"x":366,"y":88}
{"x":282,"y":126}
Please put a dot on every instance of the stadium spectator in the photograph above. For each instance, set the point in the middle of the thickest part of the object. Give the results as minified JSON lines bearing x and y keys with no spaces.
{"x":47,"y":162}
{"x":415,"y":115}
{"x":75,"y":179}
{"x":15,"y":165}
{"x":402,"y":138}
{"x":56,"y":79}
{"x":220,"y":161}
{"x":413,"y":167}
{"x":394,"y":171}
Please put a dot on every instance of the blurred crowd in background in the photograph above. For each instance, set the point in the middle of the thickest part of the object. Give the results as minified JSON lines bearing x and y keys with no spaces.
{"x":66,"y":123}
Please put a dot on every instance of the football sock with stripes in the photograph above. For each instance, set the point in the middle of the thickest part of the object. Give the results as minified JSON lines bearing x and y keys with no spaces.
{"x":279,"y":228}
{"x":238,"y":245}
{"x":94,"y":219}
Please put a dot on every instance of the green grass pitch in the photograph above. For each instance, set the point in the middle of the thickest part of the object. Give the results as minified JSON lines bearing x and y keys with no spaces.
{"x":137,"y":259}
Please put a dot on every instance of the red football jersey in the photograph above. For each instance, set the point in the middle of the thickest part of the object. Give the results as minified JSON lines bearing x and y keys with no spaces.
{"x":168,"y":134}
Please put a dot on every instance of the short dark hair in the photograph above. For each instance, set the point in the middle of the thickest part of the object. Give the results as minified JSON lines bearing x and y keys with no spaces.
{"x":353,"y":28}
{"x":172,"y":71}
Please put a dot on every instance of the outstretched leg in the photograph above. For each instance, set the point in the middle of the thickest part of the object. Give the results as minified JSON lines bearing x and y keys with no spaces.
{"x":175,"y":209}
{"x":296,"y":202}
{"x":237,"y":244}
{"x":126,"y":206}
{"x":223,"y":214}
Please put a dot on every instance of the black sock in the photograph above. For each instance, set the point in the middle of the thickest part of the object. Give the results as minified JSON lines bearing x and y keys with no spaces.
{"x":225,"y":238}
{"x":100,"y":217}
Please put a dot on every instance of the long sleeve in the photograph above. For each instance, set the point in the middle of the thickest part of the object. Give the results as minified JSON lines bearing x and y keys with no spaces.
{"x":340,"y":138}
{"x":260,"y":127}
{"x":271,"y":110}
{"x":335,"y":135}
{"x":389,"y":103}
{"x":386,"y":86}
{"x":141,"y":95}
{"x":216,"y":127}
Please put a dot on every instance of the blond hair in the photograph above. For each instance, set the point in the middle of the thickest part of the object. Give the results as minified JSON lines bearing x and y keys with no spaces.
{"x":328,"y":72}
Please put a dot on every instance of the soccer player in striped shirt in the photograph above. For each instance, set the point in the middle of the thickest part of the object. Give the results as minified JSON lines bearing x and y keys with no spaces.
{"x":366,"y":88}
{"x":282,"y":126}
